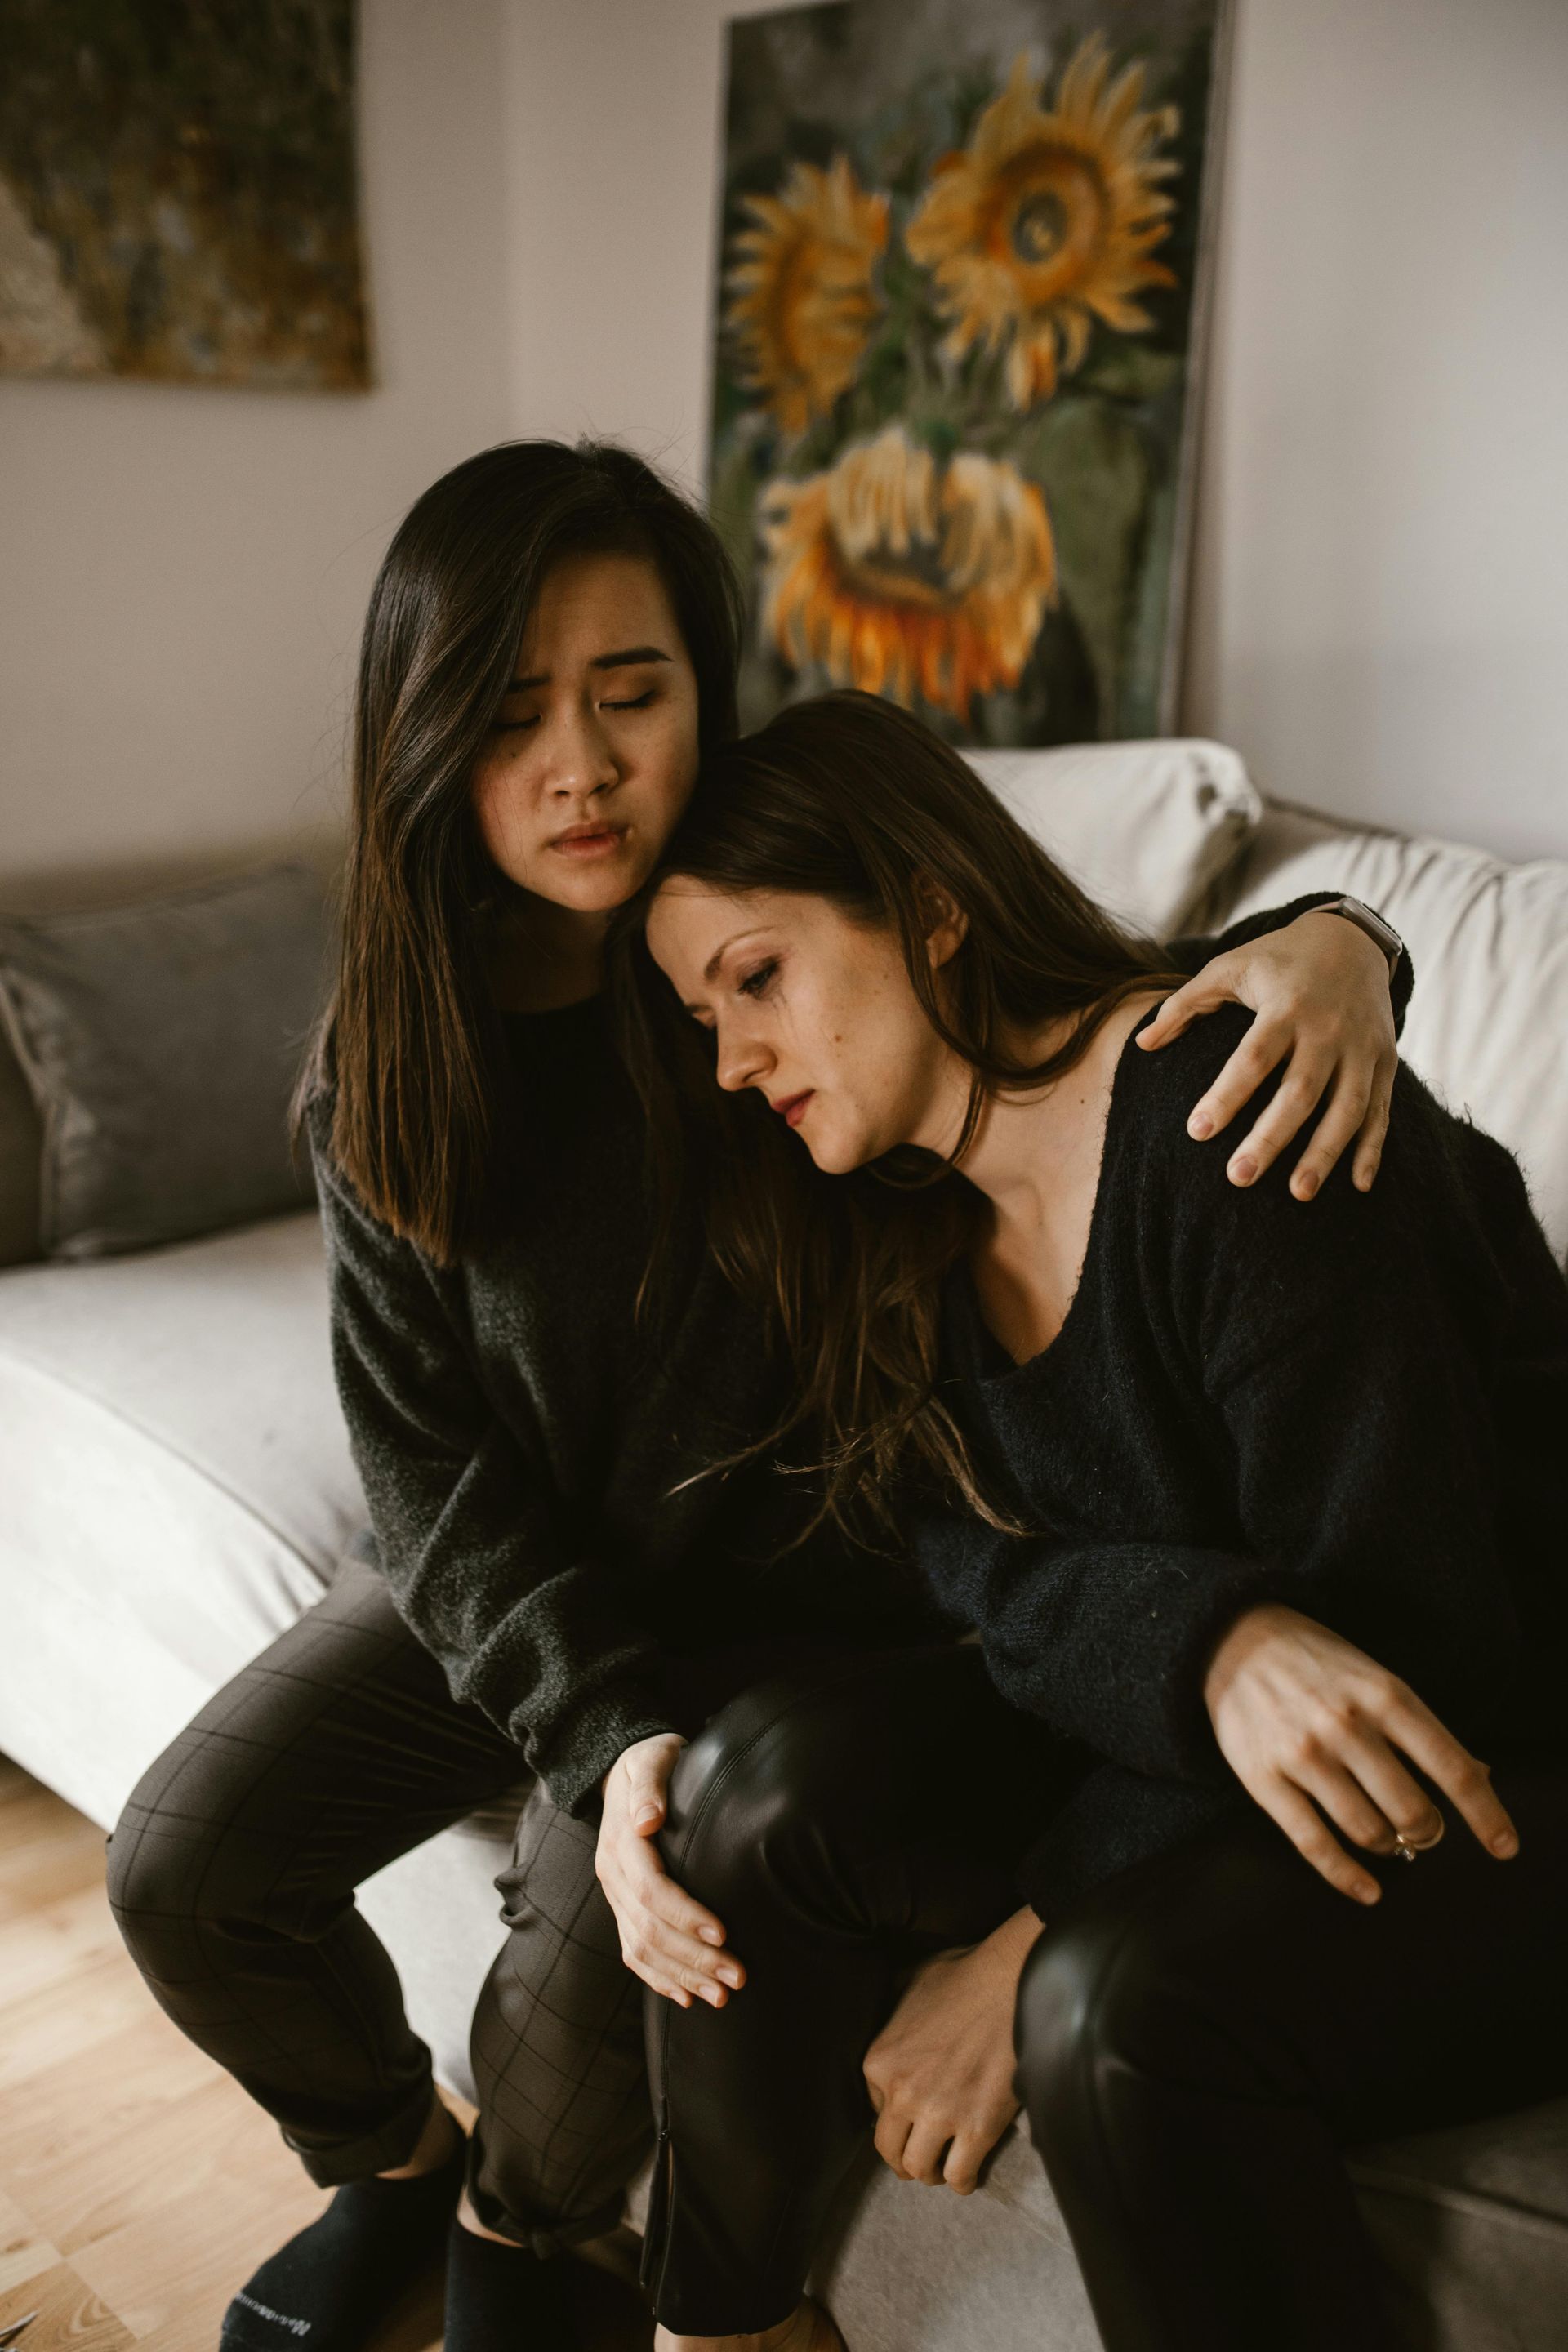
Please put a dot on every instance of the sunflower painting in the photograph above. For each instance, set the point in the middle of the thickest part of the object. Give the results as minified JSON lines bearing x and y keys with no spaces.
{"x":963,"y":254}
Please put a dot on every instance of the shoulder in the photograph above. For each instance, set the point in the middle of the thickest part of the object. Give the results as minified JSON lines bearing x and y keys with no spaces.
{"x":1155,"y":1093}
{"x":1427,"y":1144}
{"x":1448,"y":1213}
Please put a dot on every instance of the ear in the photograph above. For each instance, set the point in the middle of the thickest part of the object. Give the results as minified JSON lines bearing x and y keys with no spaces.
{"x":946,"y":924}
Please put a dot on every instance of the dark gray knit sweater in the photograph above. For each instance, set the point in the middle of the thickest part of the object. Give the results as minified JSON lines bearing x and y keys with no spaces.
{"x":1356,"y":1406}
{"x":523,"y":1438}
{"x":519,"y":1432}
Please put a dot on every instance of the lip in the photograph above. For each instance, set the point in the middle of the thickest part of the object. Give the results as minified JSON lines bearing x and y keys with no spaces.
{"x":589,"y":840}
{"x":790,"y":1107}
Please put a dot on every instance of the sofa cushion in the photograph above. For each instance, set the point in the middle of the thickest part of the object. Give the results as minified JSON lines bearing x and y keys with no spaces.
{"x":1488,"y":1017}
{"x":178,"y":1487}
{"x":1146,"y":828}
{"x":160,"y":1042}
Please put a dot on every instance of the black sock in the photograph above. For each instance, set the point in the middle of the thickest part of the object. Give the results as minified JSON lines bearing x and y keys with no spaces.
{"x":503,"y":2298}
{"x":328,"y":2289}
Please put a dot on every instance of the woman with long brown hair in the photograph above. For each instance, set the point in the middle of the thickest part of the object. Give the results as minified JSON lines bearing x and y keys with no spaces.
{"x":1260,"y":1520}
{"x":551,"y":648}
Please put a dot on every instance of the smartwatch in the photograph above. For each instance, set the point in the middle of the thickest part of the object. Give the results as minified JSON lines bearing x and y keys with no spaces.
{"x":1367,"y":919}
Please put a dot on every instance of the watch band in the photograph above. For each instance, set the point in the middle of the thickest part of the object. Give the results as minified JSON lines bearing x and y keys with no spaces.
{"x":1367,"y":918}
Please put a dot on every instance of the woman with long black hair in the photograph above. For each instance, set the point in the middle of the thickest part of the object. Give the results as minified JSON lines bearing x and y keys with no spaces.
{"x":550,"y":649}
{"x":1260,"y":1519}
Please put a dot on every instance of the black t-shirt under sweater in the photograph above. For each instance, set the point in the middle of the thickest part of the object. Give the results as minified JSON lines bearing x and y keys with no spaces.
{"x":1355,"y":1404}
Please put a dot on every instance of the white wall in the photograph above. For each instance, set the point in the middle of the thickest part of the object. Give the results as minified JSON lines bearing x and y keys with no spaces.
{"x":1381,"y":599}
{"x":184,"y":569}
{"x":1381,"y":607}
{"x":1380,"y":615}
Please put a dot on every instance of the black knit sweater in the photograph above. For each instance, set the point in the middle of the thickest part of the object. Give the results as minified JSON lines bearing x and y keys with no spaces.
{"x":1356,"y":1406}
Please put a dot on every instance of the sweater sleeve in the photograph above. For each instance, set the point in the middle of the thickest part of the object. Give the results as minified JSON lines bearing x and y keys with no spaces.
{"x":1353,"y":1359}
{"x":1344,"y":1359}
{"x":1191,"y":954}
{"x":470,"y":1533}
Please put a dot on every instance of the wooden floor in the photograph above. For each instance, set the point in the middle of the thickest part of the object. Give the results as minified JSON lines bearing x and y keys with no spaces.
{"x":138,"y":2185}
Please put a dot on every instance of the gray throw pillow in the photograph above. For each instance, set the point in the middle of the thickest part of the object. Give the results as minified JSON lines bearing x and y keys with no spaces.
{"x":160,"y":1042}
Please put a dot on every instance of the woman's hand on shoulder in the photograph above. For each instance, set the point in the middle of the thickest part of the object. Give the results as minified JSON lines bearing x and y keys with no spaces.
{"x":940,"y":2074}
{"x":1319,"y":1735}
{"x":1320,"y":988}
{"x":671,"y":1942}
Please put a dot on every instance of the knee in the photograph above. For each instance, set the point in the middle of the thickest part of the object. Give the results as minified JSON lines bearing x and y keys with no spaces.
{"x":1073,"y":2000}
{"x":167,"y":1865}
{"x":771,"y":1773}
{"x":1124,"y":1990}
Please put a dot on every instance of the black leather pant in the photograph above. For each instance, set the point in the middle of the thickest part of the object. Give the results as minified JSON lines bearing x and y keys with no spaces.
{"x":1196,"y":2040}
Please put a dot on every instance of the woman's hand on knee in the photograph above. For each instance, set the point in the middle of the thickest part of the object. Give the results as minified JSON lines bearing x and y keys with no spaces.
{"x":940,"y":2074}
{"x":1319,"y":1733}
{"x":668,"y":1940}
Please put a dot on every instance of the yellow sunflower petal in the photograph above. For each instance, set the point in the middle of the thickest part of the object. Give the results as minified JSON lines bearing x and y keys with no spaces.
{"x":906,"y":579}
{"x":1047,"y":219}
{"x":801,"y":302}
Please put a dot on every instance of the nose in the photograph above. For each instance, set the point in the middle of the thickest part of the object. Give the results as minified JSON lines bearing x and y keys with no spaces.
{"x":578,"y":761}
{"x":742,"y":1061}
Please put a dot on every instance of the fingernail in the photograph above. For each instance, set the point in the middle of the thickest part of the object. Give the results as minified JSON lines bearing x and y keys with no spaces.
{"x":1367,"y":1891}
{"x":646,"y":1814}
{"x":1199,"y":1125}
{"x":1305,"y":1187}
{"x":1242,"y":1171}
{"x":1505,"y":1841}
{"x":711,"y":1935}
{"x":713,"y":1996}
{"x":728,"y":1975}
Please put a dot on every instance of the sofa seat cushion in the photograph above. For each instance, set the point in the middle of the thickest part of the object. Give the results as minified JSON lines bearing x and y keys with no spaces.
{"x":178,"y":1487}
{"x":1488,"y":1017}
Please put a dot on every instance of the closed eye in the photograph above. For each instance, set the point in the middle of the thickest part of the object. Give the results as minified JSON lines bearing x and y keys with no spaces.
{"x":757,"y":984}
{"x":521,"y":726}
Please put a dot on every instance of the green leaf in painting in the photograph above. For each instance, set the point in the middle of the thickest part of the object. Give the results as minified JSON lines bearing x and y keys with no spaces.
{"x":1093,"y":466}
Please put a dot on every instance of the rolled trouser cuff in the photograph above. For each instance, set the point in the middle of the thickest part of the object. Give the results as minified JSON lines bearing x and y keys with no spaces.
{"x":391,"y":2144}
{"x":544,"y":2234}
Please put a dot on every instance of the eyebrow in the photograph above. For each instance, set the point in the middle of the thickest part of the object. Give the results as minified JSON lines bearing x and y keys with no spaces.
{"x":627,"y":660}
{"x":711,"y":969}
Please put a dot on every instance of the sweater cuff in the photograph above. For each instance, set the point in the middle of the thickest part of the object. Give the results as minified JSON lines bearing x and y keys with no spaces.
{"x":579,"y":1752}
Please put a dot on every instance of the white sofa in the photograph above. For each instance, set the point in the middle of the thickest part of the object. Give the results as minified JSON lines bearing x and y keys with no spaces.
{"x":176,"y":1488}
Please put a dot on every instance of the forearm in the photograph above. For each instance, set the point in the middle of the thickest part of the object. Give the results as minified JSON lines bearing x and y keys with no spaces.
{"x":471,"y":1536}
{"x":544,"y":1647}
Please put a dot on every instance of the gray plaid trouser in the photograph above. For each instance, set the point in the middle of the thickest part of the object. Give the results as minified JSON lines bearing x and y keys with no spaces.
{"x":231,"y":1873}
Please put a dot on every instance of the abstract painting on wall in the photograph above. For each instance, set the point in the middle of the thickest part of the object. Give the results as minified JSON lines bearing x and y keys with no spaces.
{"x":178,"y":192}
{"x":963,"y":252}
